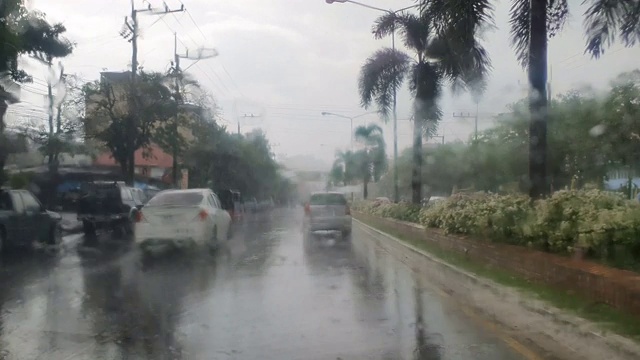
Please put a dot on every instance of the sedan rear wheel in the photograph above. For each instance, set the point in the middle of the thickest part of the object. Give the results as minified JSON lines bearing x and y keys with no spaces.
{"x":213,"y":244}
{"x":55,"y":235}
{"x":3,"y":239}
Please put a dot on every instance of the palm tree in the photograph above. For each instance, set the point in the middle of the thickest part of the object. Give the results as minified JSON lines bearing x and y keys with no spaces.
{"x":372,"y":160}
{"x":434,"y":62}
{"x":532,"y":23}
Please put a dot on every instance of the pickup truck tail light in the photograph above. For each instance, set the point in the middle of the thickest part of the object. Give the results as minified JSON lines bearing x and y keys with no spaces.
{"x":307,"y":209}
{"x":347,"y":210}
{"x":138,"y":217}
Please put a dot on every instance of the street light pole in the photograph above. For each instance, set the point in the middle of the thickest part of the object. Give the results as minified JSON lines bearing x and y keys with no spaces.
{"x":396,"y":191}
{"x":396,"y":194}
{"x":324,"y":113}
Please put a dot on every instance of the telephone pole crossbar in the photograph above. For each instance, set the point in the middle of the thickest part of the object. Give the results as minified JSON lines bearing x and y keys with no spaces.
{"x":469,"y":116}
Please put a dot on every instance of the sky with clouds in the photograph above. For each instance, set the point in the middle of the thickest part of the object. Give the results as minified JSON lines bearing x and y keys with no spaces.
{"x":287,"y":61}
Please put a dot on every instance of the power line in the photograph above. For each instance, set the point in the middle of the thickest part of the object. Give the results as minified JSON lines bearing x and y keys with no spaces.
{"x":219,"y":90}
{"x":204,"y":37}
{"x":232,"y":81}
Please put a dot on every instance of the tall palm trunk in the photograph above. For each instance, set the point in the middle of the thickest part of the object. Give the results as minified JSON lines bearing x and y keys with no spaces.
{"x":416,"y":172}
{"x":538,"y":100}
{"x":365,"y":187}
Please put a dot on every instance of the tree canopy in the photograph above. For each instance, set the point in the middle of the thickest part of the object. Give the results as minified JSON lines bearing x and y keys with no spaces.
{"x":23,"y":32}
{"x":366,"y":165}
{"x":432,"y":62}
{"x":591,"y":137}
{"x":126,"y":132}
{"x":223,"y":160}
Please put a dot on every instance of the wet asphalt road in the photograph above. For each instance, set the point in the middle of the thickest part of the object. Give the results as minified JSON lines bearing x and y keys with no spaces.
{"x":266,"y":295}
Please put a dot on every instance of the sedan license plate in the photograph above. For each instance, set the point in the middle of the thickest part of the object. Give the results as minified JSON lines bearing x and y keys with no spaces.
{"x":183,"y":231}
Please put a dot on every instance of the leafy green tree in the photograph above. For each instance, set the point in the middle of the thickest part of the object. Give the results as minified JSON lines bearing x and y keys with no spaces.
{"x":229,"y":161}
{"x":621,"y":124}
{"x":336,"y":175}
{"x":125,"y":132}
{"x":532,"y":23}
{"x":432,"y":63}
{"x":347,"y":161}
{"x":23,"y":32}
{"x":60,"y":135}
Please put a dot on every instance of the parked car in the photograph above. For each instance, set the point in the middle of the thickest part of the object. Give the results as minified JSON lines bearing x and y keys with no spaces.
{"x":182,"y":219}
{"x":232,"y":202}
{"x":108,"y":205}
{"x":24,"y":221}
{"x":328,"y":211}
{"x":251,"y":205}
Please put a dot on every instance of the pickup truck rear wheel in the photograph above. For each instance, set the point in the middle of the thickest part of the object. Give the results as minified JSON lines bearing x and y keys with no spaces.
{"x":55,"y":235}
{"x":88,"y":227}
{"x":3,"y":239}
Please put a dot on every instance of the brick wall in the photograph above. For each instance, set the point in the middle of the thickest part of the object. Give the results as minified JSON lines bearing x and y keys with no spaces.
{"x":617,"y":288}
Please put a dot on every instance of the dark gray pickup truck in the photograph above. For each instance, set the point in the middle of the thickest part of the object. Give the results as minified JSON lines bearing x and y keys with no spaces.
{"x":24,"y":221}
{"x":108,"y":205}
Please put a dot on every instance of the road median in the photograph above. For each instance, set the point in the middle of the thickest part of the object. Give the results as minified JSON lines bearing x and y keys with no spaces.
{"x":553,"y":315}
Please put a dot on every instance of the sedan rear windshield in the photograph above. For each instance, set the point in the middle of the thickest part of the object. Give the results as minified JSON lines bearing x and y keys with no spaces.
{"x":176,"y":199}
{"x":328,"y":199}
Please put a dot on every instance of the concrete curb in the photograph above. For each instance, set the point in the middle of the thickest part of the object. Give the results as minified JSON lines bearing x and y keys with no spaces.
{"x":618,"y":346}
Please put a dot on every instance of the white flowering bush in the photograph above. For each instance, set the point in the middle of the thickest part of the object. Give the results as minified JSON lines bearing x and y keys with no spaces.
{"x":574,"y":218}
{"x":497,"y":217}
{"x":401,"y":211}
{"x":604,"y":224}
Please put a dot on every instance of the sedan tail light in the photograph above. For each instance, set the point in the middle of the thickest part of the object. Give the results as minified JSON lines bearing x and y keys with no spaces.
{"x":203,"y":215}
{"x":138,"y":217}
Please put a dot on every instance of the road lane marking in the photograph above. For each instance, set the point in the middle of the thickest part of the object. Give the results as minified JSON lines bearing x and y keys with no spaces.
{"x":514,"y":344}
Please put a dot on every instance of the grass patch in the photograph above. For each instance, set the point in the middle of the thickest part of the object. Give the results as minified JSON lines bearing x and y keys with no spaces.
{"x":607,"y":317}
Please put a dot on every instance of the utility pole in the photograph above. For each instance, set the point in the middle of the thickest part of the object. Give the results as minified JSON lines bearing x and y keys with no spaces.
{"x":469,"y":116}
{"x":53,"y":129}
{"x":245,"y":116}
{"x":130,"y":31}
{"x":439,"y":136}
{"x":475,"y":136}
{"x":549,"y":85}
{"x":177,"y":72}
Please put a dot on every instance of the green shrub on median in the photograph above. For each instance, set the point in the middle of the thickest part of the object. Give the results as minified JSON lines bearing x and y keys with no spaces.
{"x":603,"y":223}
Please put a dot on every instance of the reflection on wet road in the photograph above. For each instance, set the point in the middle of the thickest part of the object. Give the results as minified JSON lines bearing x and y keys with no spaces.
{"x":267,"y":295}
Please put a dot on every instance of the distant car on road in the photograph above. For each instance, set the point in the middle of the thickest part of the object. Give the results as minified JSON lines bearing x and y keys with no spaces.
{"x":23,"y":220}
{"x":182,"y":219}
{"x":328,"y":211}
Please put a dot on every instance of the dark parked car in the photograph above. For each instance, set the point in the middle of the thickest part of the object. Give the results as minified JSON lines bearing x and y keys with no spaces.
{"x":232,"y":202}
{"x":24,"y":221}
{"x":108,"y":205}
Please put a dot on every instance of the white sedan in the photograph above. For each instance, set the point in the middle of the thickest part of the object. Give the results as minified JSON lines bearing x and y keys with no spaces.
{"x":182,"y":219}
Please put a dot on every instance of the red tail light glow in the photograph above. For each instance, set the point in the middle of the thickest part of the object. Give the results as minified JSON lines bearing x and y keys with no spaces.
{"x":203,"y":215}
{"x":138,"y":216}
